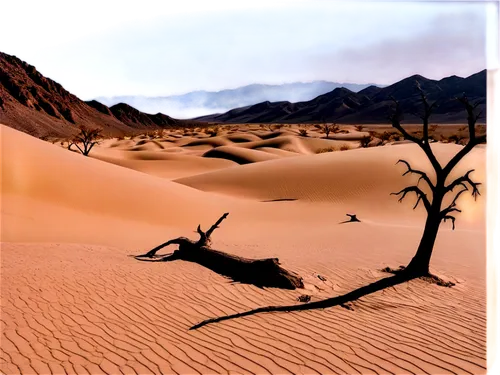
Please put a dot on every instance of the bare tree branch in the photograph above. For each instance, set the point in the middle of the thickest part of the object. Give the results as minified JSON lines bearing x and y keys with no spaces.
{"x":205,"y":237}
{"x":396,"y":118}
{"x":176,"y":241}
{"x":461,"y":181}
{"x":452,"y":206}
{"x":473,"y":139}
{"x":452,"y":218}
{"x":216,"y":225}
{"x":421,"y":142}
{"x":421,"y":196}
{"x":78,"y":147}
{"x":428,"y":109}
{"x":471,"y":116}
{"x":423,"y":175}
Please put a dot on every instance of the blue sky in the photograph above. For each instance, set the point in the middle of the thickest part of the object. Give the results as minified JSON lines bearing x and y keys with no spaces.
{"x":105,"y":48}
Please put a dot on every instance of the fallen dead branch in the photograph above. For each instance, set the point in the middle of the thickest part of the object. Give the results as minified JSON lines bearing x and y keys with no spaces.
{"x":260,"y":272}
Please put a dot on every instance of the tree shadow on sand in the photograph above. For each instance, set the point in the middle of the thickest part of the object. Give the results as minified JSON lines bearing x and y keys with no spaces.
{"x":399,"y":276}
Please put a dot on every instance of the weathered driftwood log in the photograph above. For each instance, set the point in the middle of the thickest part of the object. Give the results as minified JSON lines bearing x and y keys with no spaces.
{"x":259,"y":272}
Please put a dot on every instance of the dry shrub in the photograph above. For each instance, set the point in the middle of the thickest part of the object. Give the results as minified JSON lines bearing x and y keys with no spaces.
{"x":212,"y":132}
{"x":395,"y":137}
{"x":344,"y":147}
{"x":359,"y":128}
{"x":303,"y":132}
{"x":329,"y":128}
{"x":385,"y":136}
{"x":87,"y":137}
{"x":456,"y":138}
{"x":365,"y":141}
{"x":323,"y":150}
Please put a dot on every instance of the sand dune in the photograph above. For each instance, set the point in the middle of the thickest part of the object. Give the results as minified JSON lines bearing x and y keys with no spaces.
{"x":74,"y":301}
{"x":295,"y":144}
{"x":239,"y":155}
{"x":50,"y":174}
{"x":171,"y":164}
{"x":92,"y":309}
{"x":363,"y":178}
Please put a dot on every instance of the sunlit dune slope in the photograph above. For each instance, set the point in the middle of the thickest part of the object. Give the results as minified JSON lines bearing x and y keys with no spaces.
{"x":362,"y":177}
{"x":37,"y":170}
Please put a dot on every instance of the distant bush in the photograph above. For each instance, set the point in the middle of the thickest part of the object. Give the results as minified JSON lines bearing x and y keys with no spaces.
{"x":365,"y":141}
{"x":385,"y":136}
{"x":323,"y":150}
{"x":212,"y":131}
{"x":303,"y":132}
{"x":329,"y":128}
{"x":395,"y":137}
{"x":455,"y":138}
{"x":87,"y":137}
{"x":359,"y":128}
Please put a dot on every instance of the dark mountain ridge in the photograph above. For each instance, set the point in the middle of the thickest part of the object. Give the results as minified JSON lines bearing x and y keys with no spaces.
{"x":204,"y":102}
{"x":370,"y":105}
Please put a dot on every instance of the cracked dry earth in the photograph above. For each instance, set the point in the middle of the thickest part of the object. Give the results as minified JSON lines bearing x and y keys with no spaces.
{"x":81,"y":309}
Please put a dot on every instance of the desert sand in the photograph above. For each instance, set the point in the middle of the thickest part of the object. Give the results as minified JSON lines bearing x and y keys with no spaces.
{"x":74,"y":300}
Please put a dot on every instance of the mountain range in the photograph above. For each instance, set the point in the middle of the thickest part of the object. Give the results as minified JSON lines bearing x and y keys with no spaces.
{"x":41,"y":107}
{"x":370,"y":105}
{"x":198,"y":103}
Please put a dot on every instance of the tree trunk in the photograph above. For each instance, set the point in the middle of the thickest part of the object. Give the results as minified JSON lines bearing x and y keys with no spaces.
{"x":419,"y":265}
{"x":259,"y":272}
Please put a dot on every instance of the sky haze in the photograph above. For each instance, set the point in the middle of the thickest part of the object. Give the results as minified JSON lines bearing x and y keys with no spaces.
{"x":156,"y":48}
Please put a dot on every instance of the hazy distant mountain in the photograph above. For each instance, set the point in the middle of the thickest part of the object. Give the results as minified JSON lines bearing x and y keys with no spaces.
{"x":370,"y":105}
{"x":199,"y":103}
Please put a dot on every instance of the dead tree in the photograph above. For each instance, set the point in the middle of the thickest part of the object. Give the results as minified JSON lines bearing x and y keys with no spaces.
{"x":328,"y":128}
{"x":433,"y":198}
{"x":436,"y":213}
{"x":259,"y":272}
{"x":87,"y":137}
